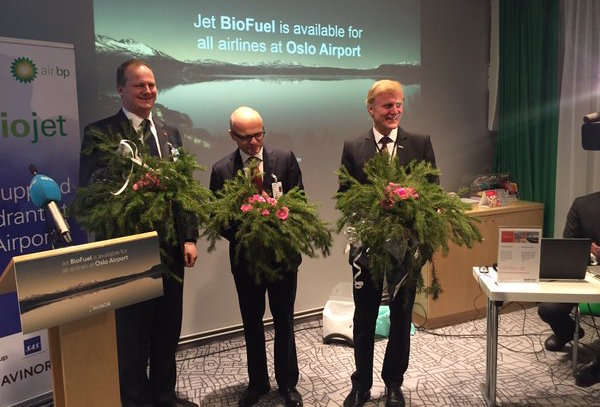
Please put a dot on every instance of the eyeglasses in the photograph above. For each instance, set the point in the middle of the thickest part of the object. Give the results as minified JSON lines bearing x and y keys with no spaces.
{"x":248,"y":138}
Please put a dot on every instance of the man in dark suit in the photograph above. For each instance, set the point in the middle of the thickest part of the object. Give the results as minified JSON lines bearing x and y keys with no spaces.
{"x":583,"y":220}
{"x":384,"y":104}
{"x":147,"y":332}
{"x":247,"y":130}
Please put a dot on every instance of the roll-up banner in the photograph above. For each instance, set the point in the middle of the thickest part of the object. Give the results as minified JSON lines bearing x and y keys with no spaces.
{"x":39,"y":127}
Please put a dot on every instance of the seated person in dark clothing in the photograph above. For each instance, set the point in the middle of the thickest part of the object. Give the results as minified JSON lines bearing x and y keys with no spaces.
{"x":583,"y":220}
{"x":558,"y":316}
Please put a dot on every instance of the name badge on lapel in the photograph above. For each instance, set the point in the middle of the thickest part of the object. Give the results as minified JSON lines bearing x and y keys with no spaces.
{"x":276,"y":187}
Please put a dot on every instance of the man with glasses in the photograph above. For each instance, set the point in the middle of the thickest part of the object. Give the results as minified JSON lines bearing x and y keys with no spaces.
{"x":275,"y":166}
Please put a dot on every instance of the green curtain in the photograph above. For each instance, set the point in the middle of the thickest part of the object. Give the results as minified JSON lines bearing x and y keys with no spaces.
{"x":528,"y":99}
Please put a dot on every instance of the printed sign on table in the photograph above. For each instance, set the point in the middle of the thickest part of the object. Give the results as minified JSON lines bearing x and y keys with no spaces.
{"x":519,"y":254}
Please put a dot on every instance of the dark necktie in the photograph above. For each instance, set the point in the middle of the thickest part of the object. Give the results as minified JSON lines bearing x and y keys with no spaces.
{"x":256,"y":176}
{"x":148,"y":137}
{"x":385,"y":140}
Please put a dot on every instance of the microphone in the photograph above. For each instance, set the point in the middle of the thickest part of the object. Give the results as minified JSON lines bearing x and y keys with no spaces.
{"x":44,"y":193}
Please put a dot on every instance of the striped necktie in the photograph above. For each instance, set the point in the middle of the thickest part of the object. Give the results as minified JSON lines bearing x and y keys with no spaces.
{"x":385,"y":140}
{"x":256,"y":175}
{"x":148,"y":137}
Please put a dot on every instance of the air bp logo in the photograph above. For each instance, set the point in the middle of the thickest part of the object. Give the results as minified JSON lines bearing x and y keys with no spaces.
{"x":24,"y":70}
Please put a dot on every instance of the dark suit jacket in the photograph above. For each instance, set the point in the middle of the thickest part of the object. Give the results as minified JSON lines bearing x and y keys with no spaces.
{"x":583,"y":219}
{"x":358,"y":151}
{"x":409,"y":147}
{"x":92,"y":165}
{"x":282,"y":164}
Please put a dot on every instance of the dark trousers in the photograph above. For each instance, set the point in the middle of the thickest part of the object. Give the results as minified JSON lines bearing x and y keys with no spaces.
{"x":251,"y":297}
{"x":558,"y":316}
{"x":148,"y":333}
{"x":367,"y":298}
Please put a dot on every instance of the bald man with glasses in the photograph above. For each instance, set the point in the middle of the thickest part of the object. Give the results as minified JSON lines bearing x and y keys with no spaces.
{"x":247,"y":130}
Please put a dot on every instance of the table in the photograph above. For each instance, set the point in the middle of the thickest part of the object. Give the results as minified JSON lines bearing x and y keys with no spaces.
{"x":453,"y":271}
{"x":586,"y":291}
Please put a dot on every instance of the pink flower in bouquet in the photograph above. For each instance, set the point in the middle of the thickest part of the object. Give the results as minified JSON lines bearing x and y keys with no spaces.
{"x":272,"y":201}
{"x":253,"y":198}
{"x":148,"y":180}
{"x":152,"y":179}
{"x":400,"y":192}
{"x":283,"y":213}
{"x":265,"y":212}
{"x":246,"y":207}
{"x":395,"y":192}
{"x":412,"y":192}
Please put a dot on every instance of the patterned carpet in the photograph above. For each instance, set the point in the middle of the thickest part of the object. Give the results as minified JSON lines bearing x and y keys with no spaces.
{"x":447,"y":367}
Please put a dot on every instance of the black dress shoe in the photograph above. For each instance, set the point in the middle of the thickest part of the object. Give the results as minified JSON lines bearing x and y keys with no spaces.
{"x":588,"y":374}
{"x":178,"y":402}
{"x":250,"y":396}
{"x":554,"y":344}
{"x":395,"y":398}
{"x":357,"y":398}
{"x":291,"y":396}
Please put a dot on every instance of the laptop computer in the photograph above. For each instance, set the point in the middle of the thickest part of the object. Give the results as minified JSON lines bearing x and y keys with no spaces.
{"x":564,"y":259}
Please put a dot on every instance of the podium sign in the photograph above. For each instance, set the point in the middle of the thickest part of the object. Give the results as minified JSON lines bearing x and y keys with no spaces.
{"x":74,"y":291}
{"x":72,"y":283}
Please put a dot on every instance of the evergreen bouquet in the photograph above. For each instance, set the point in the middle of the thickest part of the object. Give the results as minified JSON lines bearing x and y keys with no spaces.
{"x":399,"y":218}
{"x":134,"y":193}
{"x":269,"y":234}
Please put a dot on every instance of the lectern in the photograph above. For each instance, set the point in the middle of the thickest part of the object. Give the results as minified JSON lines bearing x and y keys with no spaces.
{"x":73,"y":291}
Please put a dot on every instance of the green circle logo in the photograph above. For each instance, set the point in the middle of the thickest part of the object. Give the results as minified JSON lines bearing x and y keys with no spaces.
{"x":24,"y":70}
